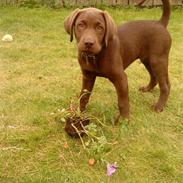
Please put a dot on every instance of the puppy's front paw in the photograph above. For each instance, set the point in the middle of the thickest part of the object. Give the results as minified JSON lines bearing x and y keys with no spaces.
{"x":157,"y":108}
{"x":117,"y":117}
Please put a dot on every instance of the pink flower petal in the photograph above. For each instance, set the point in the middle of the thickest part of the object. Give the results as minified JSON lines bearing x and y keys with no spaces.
{"x":111,"y":168}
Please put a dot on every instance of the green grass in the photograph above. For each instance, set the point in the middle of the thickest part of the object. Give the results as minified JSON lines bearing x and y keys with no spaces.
{"x":40,"y":74}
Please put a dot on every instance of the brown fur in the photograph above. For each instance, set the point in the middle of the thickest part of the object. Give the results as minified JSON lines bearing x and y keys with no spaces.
{"x":104,"y":50}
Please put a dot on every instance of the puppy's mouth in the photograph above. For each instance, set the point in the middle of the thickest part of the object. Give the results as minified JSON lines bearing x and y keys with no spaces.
{"x":88,"y":56}
{"x":91,"y":51}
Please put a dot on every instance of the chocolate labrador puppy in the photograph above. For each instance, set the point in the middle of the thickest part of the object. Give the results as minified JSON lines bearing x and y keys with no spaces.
{"x":105,"y":50}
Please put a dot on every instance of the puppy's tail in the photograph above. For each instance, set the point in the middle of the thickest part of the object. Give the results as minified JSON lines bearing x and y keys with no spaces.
{"x":166,"y":13}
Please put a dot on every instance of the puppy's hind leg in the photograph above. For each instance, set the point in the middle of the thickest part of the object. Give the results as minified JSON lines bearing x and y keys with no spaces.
{"x":152,"y":82}
{"x":160,"y":69}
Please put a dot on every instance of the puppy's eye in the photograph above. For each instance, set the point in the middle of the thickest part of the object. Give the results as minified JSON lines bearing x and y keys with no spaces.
{"x":81,"y":26}
{"x":99,"y":28}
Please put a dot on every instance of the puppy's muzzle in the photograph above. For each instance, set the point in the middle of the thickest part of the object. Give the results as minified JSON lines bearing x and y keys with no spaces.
{"x":89,"y":44}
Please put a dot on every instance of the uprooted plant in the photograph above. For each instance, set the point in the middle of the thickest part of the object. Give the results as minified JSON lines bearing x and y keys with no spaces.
{"x":79,"y":123}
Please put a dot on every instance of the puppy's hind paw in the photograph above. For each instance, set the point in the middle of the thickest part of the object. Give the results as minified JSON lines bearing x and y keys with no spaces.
{"x":144,"y":89}
{"x":157,"y":108}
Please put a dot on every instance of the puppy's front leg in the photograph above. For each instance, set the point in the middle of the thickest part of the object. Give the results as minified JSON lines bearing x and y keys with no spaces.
{"x":87,"y":86}
{"x":121,"y":85}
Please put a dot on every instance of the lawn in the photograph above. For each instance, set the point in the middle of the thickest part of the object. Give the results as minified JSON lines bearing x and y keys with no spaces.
{"x":40,"y":77}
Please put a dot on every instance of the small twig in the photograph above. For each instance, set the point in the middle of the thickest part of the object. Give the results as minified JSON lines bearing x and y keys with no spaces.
{"x":13,"y":148}
{"x":79,"y":135}
{"x":84,"y":92}
{"x":93,"y":117}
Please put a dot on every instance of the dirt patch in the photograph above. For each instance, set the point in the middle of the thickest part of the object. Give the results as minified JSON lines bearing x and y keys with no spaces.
{"x":75,"y":126}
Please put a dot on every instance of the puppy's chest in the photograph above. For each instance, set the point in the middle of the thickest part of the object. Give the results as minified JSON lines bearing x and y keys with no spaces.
{"x":92,"y":64}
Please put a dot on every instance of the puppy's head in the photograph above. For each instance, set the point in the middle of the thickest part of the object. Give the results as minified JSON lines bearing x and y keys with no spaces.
{"x":92,"y":27}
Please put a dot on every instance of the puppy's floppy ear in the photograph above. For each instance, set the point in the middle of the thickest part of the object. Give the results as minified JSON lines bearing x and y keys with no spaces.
{"x":111,"y":28}
{"x":69,"y":22}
